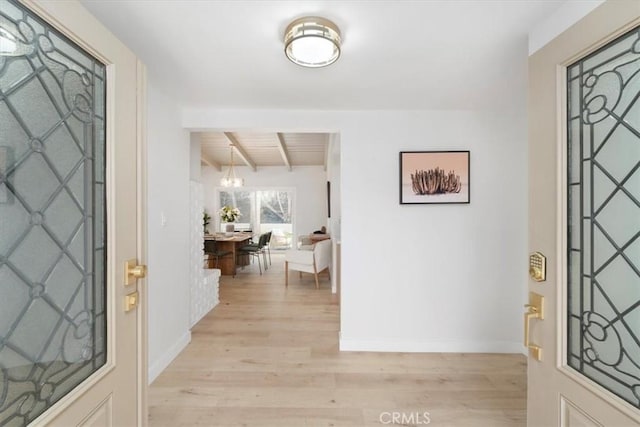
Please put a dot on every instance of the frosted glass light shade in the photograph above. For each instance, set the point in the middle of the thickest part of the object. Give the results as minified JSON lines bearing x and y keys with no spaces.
{"x":231,"y":182}
{"x":312,"y":42}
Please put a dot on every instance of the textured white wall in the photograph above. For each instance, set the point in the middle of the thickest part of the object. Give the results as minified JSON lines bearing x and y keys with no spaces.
{"x":421,"y":277}
{"x":168,"y":230}
{"x":203,"y":283}
{"x":310,"y":183}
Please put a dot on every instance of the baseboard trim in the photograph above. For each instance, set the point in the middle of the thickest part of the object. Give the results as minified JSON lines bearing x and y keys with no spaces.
{"x":156,"y":368}
{"x":347,"y":344}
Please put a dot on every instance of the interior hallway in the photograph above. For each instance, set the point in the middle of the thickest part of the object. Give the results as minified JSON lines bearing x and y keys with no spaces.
{"x":268,"y":356}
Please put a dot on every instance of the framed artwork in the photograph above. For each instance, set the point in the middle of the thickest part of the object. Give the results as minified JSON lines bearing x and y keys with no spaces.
{"x":428,"y":177}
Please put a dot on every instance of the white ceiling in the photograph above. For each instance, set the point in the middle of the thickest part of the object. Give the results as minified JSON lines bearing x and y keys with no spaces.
{"x":429,"y":54}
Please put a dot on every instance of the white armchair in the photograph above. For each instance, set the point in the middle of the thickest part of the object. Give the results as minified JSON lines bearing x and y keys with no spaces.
{"x":310,"y":261}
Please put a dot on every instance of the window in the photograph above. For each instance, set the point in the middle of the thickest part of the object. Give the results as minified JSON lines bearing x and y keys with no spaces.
{"x":245,"y":202}
{"x":262,"y":211}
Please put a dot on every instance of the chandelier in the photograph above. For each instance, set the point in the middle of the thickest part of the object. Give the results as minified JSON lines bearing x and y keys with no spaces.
{"x":230,"y":179}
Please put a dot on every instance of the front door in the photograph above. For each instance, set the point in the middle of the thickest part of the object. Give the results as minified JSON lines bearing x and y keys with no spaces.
{"x":584,"y":223}
{"x":69,"y":120}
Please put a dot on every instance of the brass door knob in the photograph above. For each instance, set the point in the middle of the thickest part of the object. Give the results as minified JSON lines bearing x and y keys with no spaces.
{"x":133,"y":271}
{"x":535,"y":273}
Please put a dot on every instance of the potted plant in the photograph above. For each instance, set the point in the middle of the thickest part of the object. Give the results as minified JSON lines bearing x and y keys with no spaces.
{"x":206,"y":219}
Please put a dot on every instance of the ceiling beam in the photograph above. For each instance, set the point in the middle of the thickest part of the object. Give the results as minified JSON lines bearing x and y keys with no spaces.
{"x":210,"y":162}
{"x":240,"y":150}
{"x":282,"y":146}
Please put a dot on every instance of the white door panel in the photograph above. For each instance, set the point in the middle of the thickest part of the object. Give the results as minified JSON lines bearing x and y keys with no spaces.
{"x":582,"y":216}
{"x":69,"y":140}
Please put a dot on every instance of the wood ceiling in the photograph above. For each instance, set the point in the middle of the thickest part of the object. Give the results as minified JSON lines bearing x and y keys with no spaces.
{"x":255,"y":149}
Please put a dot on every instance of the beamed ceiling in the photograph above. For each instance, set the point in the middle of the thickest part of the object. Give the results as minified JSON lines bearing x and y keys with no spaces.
{"x":256,"y":149}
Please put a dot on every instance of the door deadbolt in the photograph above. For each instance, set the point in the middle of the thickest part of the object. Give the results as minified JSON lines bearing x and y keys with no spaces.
{"x":538,"y":267}
{"x":131,"y":301}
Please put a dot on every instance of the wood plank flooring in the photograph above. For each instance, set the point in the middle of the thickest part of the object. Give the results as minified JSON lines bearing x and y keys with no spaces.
{"x":268,"y":356}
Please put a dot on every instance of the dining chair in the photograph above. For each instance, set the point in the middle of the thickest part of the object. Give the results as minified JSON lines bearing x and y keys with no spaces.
{"x":263,"y":248}
{"x":211,"y":250}
{"x":267,"y":247}
{"x":255,"y":250}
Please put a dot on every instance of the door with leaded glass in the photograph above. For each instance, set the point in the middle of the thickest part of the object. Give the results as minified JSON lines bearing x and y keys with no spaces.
{"x":584,"y":216}
{"x":70,"y":331}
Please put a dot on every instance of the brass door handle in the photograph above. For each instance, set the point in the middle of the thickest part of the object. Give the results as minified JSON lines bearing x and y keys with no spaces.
{"x":133,"y":271}
{"x":535,"y":310}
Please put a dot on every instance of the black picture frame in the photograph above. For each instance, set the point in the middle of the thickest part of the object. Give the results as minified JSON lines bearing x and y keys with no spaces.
{"x":328,"y":199}
{"x":435,"y":177}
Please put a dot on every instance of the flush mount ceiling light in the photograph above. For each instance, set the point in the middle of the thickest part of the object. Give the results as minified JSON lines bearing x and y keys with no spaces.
{"x":312,"y":42}
{"x":230,"y":179}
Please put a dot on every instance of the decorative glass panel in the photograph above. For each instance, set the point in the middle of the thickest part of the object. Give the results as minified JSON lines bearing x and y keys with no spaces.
{"x":604,"y":216}
{"x":52,"y":215}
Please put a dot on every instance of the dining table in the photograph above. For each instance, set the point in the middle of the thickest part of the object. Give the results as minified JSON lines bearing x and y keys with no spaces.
{"x":229,"y":242}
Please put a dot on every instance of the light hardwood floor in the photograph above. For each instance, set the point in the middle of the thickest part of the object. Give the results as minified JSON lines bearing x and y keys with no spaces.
{"x":268,"y":356}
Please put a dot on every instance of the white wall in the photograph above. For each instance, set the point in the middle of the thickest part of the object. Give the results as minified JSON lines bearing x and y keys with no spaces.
{"x":168,"y":188}
{"x":421,"y":277}
{"x":566,"y":15}
{"x":310,"y":183}
{"x":333,"y":172}
{"x":194,"y":157}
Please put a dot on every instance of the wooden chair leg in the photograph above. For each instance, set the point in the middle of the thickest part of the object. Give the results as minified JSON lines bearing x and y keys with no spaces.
{"x":300,"y":272}
{"x":315,"y":273}
{"x":286,"y":273}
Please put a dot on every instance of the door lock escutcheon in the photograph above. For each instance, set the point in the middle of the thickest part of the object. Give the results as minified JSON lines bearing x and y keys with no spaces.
{"x":535,"y":310}
{"x":133,"y":272}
